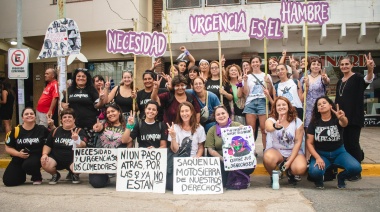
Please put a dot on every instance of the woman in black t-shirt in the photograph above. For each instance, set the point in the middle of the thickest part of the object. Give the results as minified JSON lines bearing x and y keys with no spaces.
{"x":149,"y":132}
{"x":24,"y":143}
{"x":85,"y":100}
{"x":325,"y":143}
{"x":58,"y":154}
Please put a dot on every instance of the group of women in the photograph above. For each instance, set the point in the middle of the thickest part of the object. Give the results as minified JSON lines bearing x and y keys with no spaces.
{"x":185,"y":115}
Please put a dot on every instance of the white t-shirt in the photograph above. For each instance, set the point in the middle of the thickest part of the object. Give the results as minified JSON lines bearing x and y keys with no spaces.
{"x":283,"y":140}
{"x":183,"y":136}
{"x":256,"y":90}
{"x":289,"y":90}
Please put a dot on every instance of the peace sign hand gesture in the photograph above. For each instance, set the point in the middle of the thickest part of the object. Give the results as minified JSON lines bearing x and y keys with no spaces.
{"x":97,"y":126}
{"x":370,"y":62}
{"x":157,"y":63}
{"x":278,"y":123}
{"x":245,"y":75}
{"x":156,"y":84}
{"x":171,"y":130}
{"x":74,"y":134}
{"x":240,"y":77}
{"x":293,"y":62}
{"x":338,"y":113}
{"x":131,"y":118}
{"x":324,"y":75}
{"x":107,"y":85}
{"x":50,"y":121}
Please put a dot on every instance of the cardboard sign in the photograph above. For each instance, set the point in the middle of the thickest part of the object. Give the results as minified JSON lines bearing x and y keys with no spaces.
{"x":139,"y":43}
{"x":141,"y":170}
{"x":312,"y":12}
{"x":95,"y":160}
{"x":197,"y":176}
{"x":62,"y":39}
{"x":238,"y":148}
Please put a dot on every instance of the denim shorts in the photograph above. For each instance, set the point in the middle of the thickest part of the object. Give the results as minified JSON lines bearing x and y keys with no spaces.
{"x":256,"y":106}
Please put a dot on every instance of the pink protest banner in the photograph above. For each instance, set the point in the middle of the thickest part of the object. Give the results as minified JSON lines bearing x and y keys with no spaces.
{"x":138,"y":43}
{"x":218,"y":22}
{"x":312,"y":12}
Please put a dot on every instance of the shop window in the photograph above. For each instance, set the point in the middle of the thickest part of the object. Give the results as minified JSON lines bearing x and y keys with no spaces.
{"x":221,"y":2}
{"x":110,"y":69}
{"x":176,"y":4}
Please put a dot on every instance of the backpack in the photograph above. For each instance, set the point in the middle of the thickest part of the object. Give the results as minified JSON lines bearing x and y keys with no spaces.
{"x":237,"y":180}
{"x":17,"y":132}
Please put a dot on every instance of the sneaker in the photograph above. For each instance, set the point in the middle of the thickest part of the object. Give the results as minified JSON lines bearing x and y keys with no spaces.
{"x":75,"y":178}
{"x":37,"y":182}
{"x":297,"y":178}
{"x":355,"y":178}
{"x":319,"y":186}
{"x":54,"y":178}
{"x":291,"y":179}
{"x":341,"y":183}
{"x":69,"y":176}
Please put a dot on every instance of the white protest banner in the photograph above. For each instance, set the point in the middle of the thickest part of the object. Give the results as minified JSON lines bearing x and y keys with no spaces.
{"x":95,"y":160}
{"x":141,"y":170}
{"x":238,"y":148}
{"x":197,"y":176}
{"x":138,"y":43}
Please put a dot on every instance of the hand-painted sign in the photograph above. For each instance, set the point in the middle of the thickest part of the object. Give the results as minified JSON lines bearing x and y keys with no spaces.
{"x":311,"y":12}
{"x":219,"y":22}
{"x":141,"y":170}
{"x":238,"y":148}
{"x":95,"y":160}
{"x":197,"y":176}
{"x":139,"y":43}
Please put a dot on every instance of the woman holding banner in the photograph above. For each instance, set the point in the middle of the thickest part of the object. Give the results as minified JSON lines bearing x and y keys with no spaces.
{"x":284,"y":139}
{"x":110,"y":136}
{"x":253,"y":87}
{"x":150,"y":132}
{"x":325,"y":143}
{"x":186,"y":135}
{"x":235,"y":78}
{"x":171,"y":100}
{"x":214,"y":140}
{"x":57,"y":153}
{"x":213,"y":85}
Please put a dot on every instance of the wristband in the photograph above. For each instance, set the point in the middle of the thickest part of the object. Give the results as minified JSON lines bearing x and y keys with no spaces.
{"x":277,"y":128}
{"x":239,"y":85}
{"x":130,"y":126}
{"x":76,"y":141}
{"x":187,"y":52}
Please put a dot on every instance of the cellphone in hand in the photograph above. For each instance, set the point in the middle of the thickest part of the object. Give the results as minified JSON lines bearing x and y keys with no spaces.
{"x":26,"y":150}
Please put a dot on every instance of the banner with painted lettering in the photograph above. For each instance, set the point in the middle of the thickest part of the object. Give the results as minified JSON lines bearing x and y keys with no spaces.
{"x":95,"y":160}
{"x":311,"y":12}
{"x":197,"y":176}
{"x":141,"y":170}
{"x":238,"y":148}
{"x":138,"y":43}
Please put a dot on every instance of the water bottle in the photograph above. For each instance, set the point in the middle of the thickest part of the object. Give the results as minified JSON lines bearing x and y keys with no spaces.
{"x":275,"y":179}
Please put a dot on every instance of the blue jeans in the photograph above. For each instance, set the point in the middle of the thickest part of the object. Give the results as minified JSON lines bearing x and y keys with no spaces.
{"x":340,"y":158}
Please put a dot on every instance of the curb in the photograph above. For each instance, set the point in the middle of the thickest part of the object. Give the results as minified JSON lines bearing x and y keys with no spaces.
{"x":368,"y":170}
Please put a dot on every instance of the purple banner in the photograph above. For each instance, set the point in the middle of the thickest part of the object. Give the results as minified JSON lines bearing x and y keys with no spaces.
{"x":139,"y":43}
{"x":312,"y":12}
{"x":219,"y":22}
{"x":270,"y":29}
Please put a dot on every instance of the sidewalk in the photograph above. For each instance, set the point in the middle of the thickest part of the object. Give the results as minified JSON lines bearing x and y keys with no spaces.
{"x":369,"y":141}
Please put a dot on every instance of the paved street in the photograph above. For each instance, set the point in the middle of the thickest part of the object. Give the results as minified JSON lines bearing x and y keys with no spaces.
{"x":65,"y":196}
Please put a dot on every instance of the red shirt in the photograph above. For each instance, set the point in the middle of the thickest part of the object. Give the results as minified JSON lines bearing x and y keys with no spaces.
{"x":50,"y":92}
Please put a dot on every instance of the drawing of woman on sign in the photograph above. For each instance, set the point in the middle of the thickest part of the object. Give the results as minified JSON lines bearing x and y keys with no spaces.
{"x":48,"y":44}
{"x":72,"y":34}
{"x":239,"y":147}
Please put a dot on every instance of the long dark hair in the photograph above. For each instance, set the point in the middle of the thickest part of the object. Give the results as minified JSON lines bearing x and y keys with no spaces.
{"x":121,"y":116}
{"x":89,"y":83}
{"x":8,"y":87}
{"x":316,"y":115}
{"x":193,"y":118}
